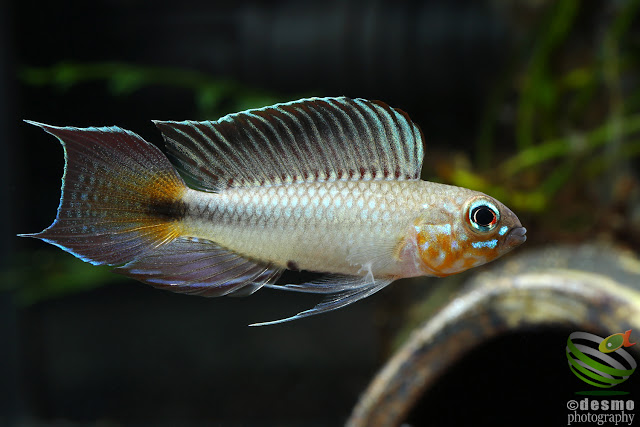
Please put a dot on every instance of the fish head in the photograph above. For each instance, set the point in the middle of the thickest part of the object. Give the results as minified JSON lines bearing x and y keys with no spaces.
{"x":480,"y":230}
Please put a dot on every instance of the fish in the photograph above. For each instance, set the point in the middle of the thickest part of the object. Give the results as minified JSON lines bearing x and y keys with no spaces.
{"x":326,"y":185}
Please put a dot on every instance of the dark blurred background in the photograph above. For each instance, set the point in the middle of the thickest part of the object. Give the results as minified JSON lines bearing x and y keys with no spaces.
{"x":534,"y":102}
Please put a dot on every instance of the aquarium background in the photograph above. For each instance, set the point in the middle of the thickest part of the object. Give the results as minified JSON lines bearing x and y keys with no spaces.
{"x":534,"y":102}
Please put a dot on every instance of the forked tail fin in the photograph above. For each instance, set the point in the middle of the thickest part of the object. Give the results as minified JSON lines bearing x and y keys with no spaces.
{"x":121,"y":197}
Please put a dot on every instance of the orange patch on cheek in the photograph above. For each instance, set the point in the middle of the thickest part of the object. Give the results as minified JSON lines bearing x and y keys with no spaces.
{"x":436,"y":254}
{"x":477,"y":256}
{"x":421,"y":239}
{"x":469,"y":263}
{"x":431,"y":253}
{"x":446,"y":268}
{"x":488,"y":254}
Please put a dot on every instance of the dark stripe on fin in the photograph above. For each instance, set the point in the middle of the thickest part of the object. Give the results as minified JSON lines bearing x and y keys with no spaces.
{"x":316,"y":139}
{"x":200,"y":267}
{"x":120,"y":196}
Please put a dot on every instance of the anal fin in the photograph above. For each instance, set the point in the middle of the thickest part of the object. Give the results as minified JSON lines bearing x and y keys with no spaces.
{"x":200,"y":267}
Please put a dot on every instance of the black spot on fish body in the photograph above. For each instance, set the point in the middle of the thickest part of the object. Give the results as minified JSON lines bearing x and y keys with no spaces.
{"x":292,"y":265}
{"x":167,"y":209}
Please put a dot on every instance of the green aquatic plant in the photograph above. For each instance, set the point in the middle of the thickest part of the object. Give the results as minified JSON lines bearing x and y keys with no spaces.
{"x":538,"y":91}
{"x":573,"y":122}
{"x":122,"y":79}
{"x":35,"y":276}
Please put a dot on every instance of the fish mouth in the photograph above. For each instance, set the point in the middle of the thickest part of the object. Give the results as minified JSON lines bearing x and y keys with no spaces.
{"x":516,"y":237}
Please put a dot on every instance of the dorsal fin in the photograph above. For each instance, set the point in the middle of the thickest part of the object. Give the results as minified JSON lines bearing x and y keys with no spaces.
{"x":316,"y":139}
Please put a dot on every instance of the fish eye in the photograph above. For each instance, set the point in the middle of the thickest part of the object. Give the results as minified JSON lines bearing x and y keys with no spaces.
{"x":483,"y":215}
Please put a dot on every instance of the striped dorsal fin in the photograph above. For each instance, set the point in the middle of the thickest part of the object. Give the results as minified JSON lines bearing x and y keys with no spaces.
{"x":316,"y":139}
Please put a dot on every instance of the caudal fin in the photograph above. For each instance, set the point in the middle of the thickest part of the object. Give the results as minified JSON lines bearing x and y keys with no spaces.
{"x":121,"y":197}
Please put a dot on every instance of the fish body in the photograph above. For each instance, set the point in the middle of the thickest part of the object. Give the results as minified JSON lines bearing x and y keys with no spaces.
{"x":329,"y":185}
{"x":369,"y":226}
